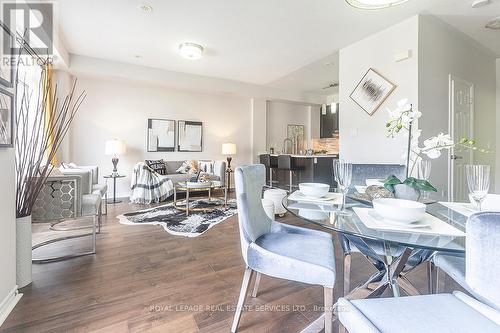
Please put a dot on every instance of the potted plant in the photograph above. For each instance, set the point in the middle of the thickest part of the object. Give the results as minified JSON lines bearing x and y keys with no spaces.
{"x":401,"y":119}
{"x":42,"y":121}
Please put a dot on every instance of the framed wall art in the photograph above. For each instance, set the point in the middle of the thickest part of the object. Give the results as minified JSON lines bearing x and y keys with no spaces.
{"x":7,"y":119}
{"x":7,"y":60}
{"x":372,"y":91}
{"x":189,"y":136}
{"x":161,"y":135}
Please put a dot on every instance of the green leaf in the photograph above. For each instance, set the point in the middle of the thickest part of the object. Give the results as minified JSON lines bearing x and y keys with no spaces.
{"x":390,"y":182}
{"x":424,"y":185}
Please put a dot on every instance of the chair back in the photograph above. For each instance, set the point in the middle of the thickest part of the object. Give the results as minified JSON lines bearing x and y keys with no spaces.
{"x":362,"y":172}
{"x":285,"y":162}
{"x":252,"y":218}
{"x":266,"y":160}
{"x":482,"y":272}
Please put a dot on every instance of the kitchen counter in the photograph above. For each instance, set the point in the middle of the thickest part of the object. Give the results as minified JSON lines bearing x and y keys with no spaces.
{"x":310,"y":156}
{"x":313,"y":168}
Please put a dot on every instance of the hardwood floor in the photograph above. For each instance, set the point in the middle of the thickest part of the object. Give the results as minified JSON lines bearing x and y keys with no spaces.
{"x":143,"y":279}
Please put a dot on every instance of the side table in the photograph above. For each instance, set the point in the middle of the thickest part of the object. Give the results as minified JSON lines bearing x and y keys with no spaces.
{"x":114,"y":177}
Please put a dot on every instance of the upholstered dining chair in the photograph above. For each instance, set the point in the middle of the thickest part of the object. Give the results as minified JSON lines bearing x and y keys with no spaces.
{"x":454,"y":264}
{"x":451,"y":264}
{"x":279,"y":250}
{"x":372,"y":250}
{"x":452,"y":313}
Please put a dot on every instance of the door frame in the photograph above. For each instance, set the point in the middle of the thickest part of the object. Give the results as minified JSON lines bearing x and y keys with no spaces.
{"x":451,"y":124}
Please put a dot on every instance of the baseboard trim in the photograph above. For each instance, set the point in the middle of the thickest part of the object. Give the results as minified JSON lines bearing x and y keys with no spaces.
{"x":8,"y":304}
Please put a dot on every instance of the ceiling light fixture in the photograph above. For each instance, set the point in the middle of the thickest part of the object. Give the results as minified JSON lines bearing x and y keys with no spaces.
{"x":493,"y":24}
{"x":480,"y":3}
{"x":146,"y":8}
{"x":191,"y":51}
{"x":374,"y":4}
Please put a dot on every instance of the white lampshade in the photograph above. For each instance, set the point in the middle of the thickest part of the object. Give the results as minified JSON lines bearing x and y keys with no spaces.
{"x":115,"y":147}
{"x":228,"y":149}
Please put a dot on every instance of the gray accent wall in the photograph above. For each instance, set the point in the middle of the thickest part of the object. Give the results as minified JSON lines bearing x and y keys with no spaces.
{"x":442,"y":51}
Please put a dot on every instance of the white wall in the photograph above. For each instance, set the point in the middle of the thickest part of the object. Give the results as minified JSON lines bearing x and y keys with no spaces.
{"x":259,"y":110}
{"x":498,"y":126}
{"x":279,"y":116}
{"x":363,"y":137}
{"x":7,"y":232}
{"x":444,"y":50}
{"x":119,"y":108}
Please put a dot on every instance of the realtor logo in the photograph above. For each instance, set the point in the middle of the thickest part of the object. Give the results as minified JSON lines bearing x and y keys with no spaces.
{"x":34,"y":21}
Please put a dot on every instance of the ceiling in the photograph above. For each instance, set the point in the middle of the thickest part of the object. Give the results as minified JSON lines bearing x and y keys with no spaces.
{"x":256,"y":41}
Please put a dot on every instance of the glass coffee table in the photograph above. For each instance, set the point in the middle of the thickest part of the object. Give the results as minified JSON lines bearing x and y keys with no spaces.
{"x":190,"y":187}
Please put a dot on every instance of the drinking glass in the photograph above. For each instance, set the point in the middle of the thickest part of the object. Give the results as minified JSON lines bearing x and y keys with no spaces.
{"x":424,"y":173}
{"x":478,"y":180}
{"x":342,"y":172}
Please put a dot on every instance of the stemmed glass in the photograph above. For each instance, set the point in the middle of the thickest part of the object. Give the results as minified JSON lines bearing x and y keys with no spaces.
{"x":478,"y":180}
{"x":424,"y":173}
{"x":342,"y":172}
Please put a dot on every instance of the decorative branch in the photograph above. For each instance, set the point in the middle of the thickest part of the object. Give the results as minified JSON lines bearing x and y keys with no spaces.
{"x":33,"y":148}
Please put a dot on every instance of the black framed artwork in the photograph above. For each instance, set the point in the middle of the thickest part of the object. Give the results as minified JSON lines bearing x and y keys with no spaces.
{"x":7,"y":119}
{"x":372,"y":91}
{"x":7,"y":60}
{"x":189,"y":136}
{"x":161,"y":135}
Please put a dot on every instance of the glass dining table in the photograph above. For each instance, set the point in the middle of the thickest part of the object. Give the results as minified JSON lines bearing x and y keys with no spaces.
{"x":393,"y":248}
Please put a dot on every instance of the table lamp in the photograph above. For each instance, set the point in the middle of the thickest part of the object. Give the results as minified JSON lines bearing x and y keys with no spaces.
{"x":115,"y":148}
{"x":229,"y":149}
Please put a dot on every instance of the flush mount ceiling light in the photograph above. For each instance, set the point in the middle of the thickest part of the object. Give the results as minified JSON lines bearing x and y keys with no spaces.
{"x":374,"y":4}
{"x":493,"y":24}
{"x":146,"y":8}
{"x":190,"y":51}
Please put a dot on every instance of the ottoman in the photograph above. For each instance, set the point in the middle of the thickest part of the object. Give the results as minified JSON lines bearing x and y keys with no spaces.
{"x":276,"y":195}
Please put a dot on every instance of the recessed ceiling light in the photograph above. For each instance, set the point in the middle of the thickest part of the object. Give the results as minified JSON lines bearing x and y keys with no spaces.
{"x":191,"y":51}
{"x":493,"y":24}
{"x":137,"y":56}
{"x":146,"y":8}
{"x":480,"y":3}
{"x":374,"y":4}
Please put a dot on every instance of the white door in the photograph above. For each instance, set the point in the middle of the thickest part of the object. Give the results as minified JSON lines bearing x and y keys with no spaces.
{"x":461,"y":125}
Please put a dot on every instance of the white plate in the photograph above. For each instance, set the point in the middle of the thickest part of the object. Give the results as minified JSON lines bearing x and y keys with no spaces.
{"x":329,"y":198}
{"x":417,"y":224}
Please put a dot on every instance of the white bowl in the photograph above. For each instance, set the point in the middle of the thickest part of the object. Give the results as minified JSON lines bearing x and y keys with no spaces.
{"x":399,"y":210}
{"x":314,"y":190}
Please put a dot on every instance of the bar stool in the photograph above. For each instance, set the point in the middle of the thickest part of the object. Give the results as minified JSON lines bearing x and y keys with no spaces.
{"x":285,"y":163}
{"x":271,"y":163}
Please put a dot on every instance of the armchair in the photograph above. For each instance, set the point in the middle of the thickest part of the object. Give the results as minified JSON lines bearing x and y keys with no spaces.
{"x":62,"y":199}
{"x":90,"y":184}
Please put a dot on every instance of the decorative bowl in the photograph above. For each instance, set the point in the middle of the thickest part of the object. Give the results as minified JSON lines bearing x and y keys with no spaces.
{"x":314,"y":190}
{"x":406,"y":211}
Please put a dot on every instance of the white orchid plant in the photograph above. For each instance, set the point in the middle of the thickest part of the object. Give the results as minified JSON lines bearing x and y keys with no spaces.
{"x":401,"y":119}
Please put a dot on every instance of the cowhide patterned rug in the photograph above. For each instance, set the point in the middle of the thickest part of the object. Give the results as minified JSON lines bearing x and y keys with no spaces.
{"x":176,"y":222}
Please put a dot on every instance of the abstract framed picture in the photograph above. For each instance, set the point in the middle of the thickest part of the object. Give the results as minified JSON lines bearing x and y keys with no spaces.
{"x":7,"y":119}
{"x":372,"y":91}
{"x":189,"y":136}
{"x":161,"y":135}
{"x":7,"y":61}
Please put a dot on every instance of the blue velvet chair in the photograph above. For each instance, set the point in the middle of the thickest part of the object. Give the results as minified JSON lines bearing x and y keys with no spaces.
{"x":452,"y":313}
{"x":277,"y":249}
{"x":372,"y":250}
{"x":451,"y":264}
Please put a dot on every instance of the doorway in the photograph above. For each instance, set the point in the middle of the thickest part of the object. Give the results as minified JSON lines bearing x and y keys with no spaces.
{"x":461,"y":124}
